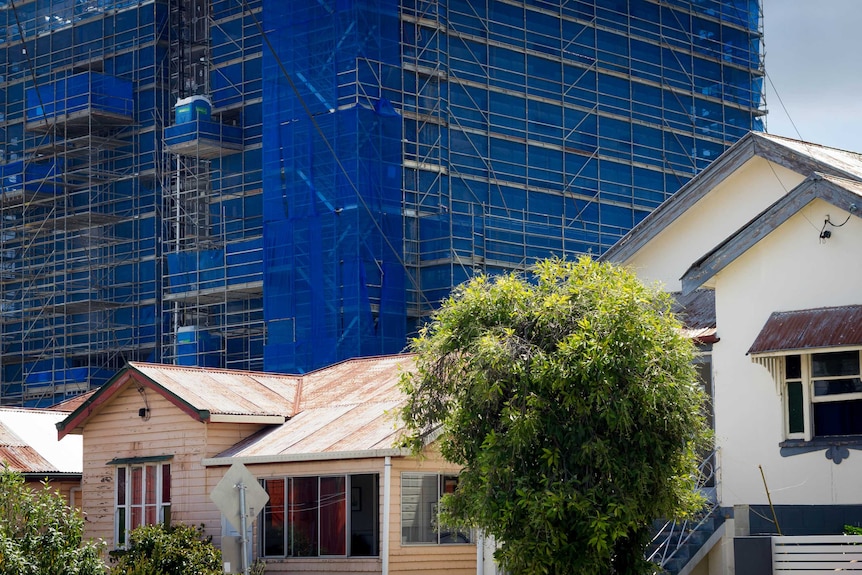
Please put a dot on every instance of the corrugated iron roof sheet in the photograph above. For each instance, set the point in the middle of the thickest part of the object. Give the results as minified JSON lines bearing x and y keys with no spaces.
{"x":811,"y":328}
{"x":73,"y":403}
{"x":29,"y":444}
{"x":354,"y":381}
{"x":226,"y":392}
{"x":696,"y":311}
{"x":345,"y":408}
{"x":25,"y":459}
{"x":850,"y":163}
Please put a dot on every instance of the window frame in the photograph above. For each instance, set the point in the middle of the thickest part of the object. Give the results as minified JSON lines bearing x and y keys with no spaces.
{"x":809,"y":399}
{"x":442,"y":479}
{"x":349,"y":507}
{"x":124,"y":503}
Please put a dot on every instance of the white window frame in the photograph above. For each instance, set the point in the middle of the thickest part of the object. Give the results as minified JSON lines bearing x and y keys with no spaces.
{"x":807,"y":380}
{"x":434,"y":513}
{"x":123,"y":511}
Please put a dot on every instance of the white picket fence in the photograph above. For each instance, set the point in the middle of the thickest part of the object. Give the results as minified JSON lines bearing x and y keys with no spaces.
{"x":817,"y":555}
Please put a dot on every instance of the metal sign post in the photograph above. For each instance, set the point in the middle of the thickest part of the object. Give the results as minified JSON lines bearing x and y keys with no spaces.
{"x":238,"y":491}
{"x":242,"y":520}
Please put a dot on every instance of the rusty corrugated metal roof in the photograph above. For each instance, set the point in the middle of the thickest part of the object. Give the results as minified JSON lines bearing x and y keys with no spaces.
{"x":73,"y":403}
{"x":354,"y":381}
{"x":346,"y":407}
{"x":29,"y":443}
{"x":696,"y":311}
{"x":810,"y":328}
{"x":227,"y":392}
{"x":25,"y":459}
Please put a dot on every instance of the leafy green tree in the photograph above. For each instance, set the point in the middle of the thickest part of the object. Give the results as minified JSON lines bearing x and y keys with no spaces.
{"x":40,"y":534}
{"x":572,"y":405}
{"x":161,"y":550}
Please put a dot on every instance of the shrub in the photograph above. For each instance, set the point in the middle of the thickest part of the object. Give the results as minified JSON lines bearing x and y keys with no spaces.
{"x":40,"y":533}
{"x":160,"y":550}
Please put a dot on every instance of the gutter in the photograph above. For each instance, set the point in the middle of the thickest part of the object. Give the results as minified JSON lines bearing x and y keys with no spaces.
{"x":297,"y":457}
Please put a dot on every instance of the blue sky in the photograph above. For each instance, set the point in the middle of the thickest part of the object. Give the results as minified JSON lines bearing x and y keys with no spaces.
{"x":813,"y":51}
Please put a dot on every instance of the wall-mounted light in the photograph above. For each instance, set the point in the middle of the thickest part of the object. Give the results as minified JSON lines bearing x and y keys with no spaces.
{"x":144,"y":412}
{"x":826,"y":234}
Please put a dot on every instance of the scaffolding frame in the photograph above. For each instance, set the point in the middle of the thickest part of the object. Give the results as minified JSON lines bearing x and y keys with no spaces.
{"x":214,"y":283}
{"x":540,"y":129}
{"x":348,"y":173}
{"x":77,"y":216}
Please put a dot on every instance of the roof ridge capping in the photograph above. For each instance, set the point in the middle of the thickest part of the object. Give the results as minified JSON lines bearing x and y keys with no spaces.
{"x":795,"y":155}
{"x":139,"y":365}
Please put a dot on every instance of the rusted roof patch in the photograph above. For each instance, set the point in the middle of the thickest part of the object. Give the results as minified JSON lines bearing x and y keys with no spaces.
{"x":25,"y":459}
{"x":811,"y":328}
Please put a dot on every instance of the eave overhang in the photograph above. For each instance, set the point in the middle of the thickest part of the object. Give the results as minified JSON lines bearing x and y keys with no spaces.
{"x":129,"y":376}
{"x":843,"y":194}
{"x":809,"y":331}
{"x":298,"y":457}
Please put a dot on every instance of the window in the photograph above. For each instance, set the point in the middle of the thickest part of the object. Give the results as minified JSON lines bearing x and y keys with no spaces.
{"x":143,"y":497}
{"x":823,"y":395}
{"x":420,"y":509}
{"x":316,"y":516}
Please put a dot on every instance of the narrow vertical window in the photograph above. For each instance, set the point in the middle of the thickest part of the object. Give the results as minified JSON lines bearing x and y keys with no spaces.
{"x":333,"y":516}
{"x":303,"y":516}
{"x":166,"y":494}
{"x":137,"y":497}
{"x":272,"y":537}
{"x":121,"y":507}
{"x":364,"y":515}
{"x":150,"y":501}
{"x":795,"y":396}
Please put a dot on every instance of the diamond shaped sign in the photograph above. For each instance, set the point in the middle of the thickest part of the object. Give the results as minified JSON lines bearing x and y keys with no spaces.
{"x":226,"y":495}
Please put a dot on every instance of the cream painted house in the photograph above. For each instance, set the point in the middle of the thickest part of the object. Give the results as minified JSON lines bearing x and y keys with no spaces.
{"x":771,"y":231}
{"x":342,"y":499}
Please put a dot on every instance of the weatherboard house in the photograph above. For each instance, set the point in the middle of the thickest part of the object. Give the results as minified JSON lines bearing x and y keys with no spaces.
{"x":159,"y":439}
{"x":769,"y":236}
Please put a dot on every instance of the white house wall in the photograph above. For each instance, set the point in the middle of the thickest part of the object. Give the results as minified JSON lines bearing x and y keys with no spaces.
{"x":790,"y":269}
{"x":727,"y":207}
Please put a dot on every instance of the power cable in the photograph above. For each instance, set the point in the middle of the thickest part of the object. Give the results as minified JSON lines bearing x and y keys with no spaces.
{"x":783,"y":107}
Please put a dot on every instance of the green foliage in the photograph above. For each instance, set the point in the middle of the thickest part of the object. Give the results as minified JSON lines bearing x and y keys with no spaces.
{"x":160,"y":550}
{"x":852,"y":530}
{"x":40,"y":534}
{"x":571,"y":403}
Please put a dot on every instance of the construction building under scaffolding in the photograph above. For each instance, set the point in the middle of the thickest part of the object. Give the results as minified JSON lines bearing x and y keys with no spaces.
{"x":277,"y":185}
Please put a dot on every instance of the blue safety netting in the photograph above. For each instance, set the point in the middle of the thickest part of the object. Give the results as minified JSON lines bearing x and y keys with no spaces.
{"x":333,"y":279}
